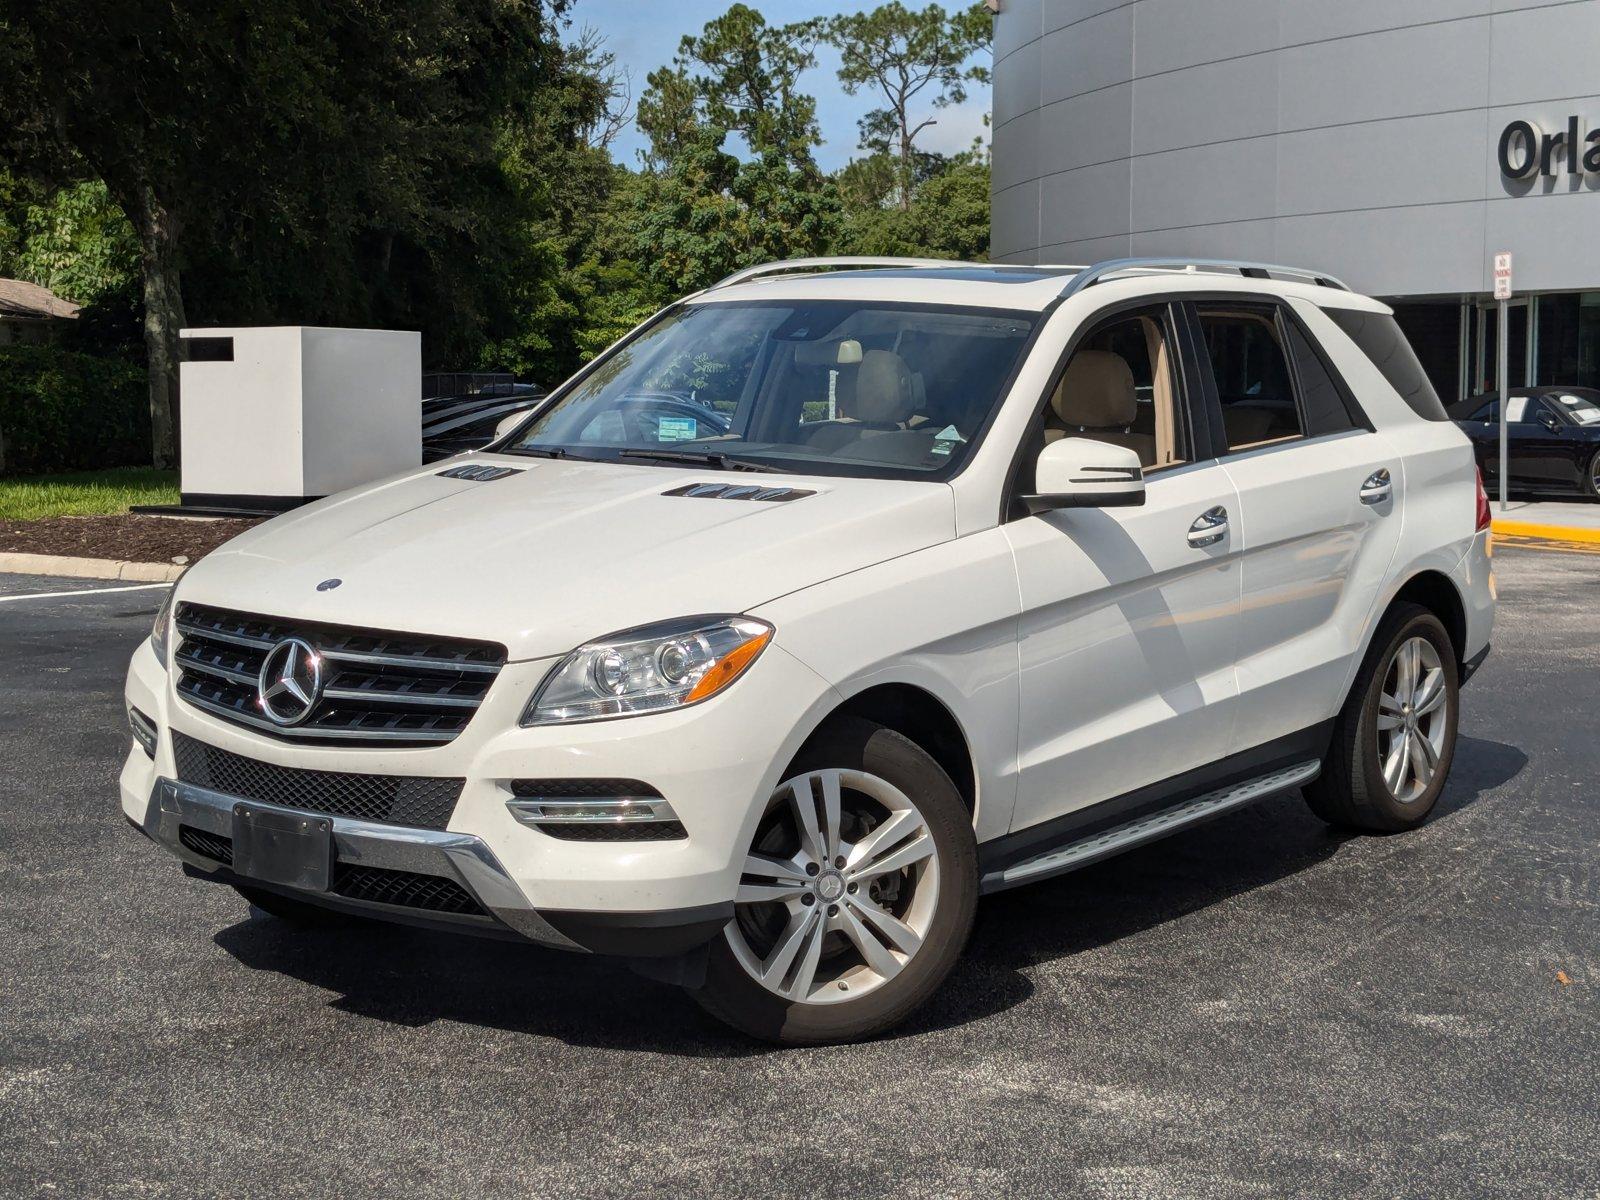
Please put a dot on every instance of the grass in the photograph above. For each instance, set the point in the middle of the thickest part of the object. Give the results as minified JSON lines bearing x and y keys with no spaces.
{"x":85,"y":493}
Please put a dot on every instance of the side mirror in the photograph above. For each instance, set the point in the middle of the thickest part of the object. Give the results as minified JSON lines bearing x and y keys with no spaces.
{"x":509,"y":422}
{"x":1079,"y":472}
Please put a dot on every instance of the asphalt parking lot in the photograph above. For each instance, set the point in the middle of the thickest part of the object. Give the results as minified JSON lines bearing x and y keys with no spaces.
{"x":1258,"y":1007}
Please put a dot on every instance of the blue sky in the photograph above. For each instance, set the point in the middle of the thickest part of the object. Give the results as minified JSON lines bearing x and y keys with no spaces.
{"x":644,"y":35}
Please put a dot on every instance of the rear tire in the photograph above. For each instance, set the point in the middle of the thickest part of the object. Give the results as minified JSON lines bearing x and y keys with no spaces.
{"x":298,"y":913}
{"x":842,"y":932}
{"x":1395,"y":738}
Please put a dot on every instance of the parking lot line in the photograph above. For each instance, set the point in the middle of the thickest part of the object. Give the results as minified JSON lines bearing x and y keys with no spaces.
{"x":139,"y":587}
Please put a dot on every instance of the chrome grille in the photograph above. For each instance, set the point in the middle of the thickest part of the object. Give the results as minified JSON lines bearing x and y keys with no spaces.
{"x":393,"y":689}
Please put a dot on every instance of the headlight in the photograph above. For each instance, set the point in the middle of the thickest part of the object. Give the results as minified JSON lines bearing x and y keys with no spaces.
{"x":643,"y":670}
{"x":161,"y":631}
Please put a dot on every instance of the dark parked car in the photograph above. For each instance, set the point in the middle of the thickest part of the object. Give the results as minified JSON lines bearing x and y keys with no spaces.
{"x":456,"y":424}
{"x":1552,"y":437}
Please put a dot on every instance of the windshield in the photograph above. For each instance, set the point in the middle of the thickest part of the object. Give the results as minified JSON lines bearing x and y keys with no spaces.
{"x":831,"y":387}
{"x":1579,"y":409}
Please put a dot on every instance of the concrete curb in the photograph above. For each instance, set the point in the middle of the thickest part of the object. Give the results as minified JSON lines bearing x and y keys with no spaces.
{"x":88,"y":568}
{"x":1552,"y":533}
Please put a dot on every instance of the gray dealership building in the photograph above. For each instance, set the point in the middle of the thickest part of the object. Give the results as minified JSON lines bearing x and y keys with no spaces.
{"x":1396,"y":144}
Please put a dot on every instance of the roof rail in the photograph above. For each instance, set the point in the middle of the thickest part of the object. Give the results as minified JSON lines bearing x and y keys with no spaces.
{"x":1248,"y":270}
{"x":827,"y":264}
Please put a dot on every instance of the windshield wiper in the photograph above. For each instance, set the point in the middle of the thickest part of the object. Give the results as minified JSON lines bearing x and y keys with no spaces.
{"x":704,"y":458}
{"x":538,"y":451}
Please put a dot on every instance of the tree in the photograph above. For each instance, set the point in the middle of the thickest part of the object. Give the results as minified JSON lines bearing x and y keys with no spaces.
{"x":710,"y":214}
{"x":742,"y":76}
{"x":699,"y":211}
{"x":327,"y":160}
{"x":909,"y":57}
{"x":563,"y":278}
{"x":78,"y":244}
{"x":948,"y":218}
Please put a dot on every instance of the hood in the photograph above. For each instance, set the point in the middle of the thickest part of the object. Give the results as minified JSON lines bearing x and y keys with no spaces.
{"x":561,"y":552}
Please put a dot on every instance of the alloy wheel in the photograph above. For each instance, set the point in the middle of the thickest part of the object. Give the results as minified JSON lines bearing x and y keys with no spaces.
{"x":839,"y":888}
{"x":1413,"y":712}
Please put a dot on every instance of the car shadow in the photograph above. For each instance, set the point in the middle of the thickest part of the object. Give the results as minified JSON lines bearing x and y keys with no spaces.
{"x":414,"y":977}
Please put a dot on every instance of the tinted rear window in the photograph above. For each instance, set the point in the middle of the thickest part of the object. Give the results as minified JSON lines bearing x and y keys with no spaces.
{"x":1380,"y":339}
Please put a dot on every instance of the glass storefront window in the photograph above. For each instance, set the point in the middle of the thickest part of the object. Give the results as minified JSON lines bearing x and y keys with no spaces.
{"x":1569,"y":339}
{"x":1434,"y":331}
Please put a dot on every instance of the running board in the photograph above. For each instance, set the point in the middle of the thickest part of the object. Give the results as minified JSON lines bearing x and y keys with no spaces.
{"x":1149,"y":828}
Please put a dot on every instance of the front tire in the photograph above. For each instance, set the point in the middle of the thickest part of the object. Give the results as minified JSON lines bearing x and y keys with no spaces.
{"x":1395,"y":738}
{"x":1591,"y":478}
{"x":857,"y":897}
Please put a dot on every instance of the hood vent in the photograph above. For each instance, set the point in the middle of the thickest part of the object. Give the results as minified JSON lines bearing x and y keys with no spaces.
{"x":479,"y":472}
{"x":740,"y":491}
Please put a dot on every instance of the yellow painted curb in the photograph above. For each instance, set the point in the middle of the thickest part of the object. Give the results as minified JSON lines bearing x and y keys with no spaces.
{"x":1554,"y":533}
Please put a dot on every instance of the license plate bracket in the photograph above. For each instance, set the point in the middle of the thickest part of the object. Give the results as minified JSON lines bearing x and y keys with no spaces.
{"x":290,"y":849}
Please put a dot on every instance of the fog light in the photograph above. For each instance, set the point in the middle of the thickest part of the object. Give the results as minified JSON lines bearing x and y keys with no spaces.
{"x":609,"y":811}
{"x":144,"y":730}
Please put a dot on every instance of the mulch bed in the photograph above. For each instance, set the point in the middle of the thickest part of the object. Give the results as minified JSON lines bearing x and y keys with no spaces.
{"x":128,"y":538}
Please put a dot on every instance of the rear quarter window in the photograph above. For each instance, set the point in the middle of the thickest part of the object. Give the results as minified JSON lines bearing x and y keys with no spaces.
{"x":1378,"y":337}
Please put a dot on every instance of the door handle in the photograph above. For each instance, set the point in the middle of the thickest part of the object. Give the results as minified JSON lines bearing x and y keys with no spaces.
{"x":1210,"y":527}
{"x":1377,"y":488}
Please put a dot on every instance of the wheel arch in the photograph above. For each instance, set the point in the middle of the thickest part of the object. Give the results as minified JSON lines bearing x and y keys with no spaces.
{"x":919,"y":715}
{"x":1431,"y":586}
{"x":1438,"y":593}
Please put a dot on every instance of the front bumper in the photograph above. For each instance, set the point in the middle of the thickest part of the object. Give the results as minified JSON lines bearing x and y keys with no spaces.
{"x":458,"y":858}
{"x":715,"y":763}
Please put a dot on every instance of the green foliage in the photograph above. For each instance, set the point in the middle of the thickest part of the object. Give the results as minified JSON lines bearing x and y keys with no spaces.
{"x":79,"y":244}
{"x":60,"y":410}
{"x":948,"y":218}
{"x":908,"y":57}
{"x":85,"y":493}
{"x":314,"y":161}
{"x":710,"y":214}
{"x":444,"y":165}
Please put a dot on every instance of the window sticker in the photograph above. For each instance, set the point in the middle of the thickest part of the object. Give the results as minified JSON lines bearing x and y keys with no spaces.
{"x":1586,"y":416}
{"x":677,"y":429}
{"x":946,"y":440}
{"x":1516,"y":409}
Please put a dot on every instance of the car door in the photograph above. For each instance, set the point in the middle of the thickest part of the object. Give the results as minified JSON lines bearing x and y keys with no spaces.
{"x":1129,"y":616}
{"x":1544,"y":453}
{"x":1318,"y":512}
{"x":1528,"y":442}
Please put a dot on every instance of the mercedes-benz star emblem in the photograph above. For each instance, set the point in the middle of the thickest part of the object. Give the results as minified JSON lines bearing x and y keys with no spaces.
{"x":327,"y":585}
{"x":290,"y":682}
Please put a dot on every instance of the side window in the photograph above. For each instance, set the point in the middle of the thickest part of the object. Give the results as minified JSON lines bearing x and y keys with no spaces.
{"x":1380,"y":339}
{"x":1120,"y":386}
{"x":1254,"y":386}
{"x":1328,"y":407}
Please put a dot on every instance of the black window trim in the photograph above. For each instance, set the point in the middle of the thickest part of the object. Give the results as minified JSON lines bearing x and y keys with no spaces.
{"x":1207,"y":385}
{"x":1196,"y":428}
{"x":1347,"y":396}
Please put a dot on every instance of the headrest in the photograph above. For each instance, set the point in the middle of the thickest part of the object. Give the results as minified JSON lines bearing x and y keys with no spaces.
{"x":884,"y":392}
{"x":842,"y":352}
{"x":1096,"y":392}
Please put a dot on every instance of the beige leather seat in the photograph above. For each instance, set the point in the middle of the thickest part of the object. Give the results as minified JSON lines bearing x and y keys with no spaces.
{"x":1096,"y":399}
{"x":878,"y":400}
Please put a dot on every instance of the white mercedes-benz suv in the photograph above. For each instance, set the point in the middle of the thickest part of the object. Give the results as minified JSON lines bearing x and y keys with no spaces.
{"x":828,"y":600}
